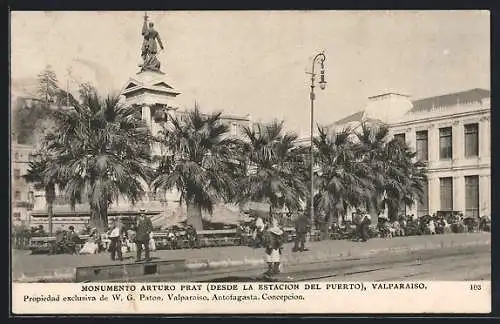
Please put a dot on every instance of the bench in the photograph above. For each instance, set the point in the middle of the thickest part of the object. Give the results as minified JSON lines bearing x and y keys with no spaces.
{"x":212,"y":238}
{"x":45,"y":244}
{"x":163,"y":241}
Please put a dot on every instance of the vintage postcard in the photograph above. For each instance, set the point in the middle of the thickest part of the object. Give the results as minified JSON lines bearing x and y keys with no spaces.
{"x":278,"y":162}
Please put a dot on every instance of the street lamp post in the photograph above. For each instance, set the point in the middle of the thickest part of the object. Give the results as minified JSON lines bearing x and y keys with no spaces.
{"x":319,"y":58}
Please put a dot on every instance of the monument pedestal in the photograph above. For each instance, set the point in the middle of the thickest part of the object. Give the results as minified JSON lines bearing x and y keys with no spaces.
{"x":153,"y":93}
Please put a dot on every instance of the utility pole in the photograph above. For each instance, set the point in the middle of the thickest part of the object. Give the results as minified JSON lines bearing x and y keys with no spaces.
{"x":319,"y":58}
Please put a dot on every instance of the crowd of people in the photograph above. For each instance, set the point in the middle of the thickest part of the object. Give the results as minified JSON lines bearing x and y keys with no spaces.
{"x":136,"y":237}
{"x":408,"y":225}
{"x":265,"y":232}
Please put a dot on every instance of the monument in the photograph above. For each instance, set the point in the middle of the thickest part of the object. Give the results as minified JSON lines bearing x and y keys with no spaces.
{"x":150,"y":90}
{"x":150,"y":47}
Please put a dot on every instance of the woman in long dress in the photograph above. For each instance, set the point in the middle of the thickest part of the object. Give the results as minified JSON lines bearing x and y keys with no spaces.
{"x":91,"y":246}
{"x":273,"y":240}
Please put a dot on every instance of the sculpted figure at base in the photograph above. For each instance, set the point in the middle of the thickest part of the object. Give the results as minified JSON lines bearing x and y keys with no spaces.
{"x":150,"y":46}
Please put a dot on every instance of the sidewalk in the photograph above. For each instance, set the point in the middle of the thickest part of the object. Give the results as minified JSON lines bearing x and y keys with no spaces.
{"x":25,"y":266}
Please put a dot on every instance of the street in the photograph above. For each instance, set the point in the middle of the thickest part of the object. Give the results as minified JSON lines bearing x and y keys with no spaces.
{"x":35,"y":265}
{"x":449,"y":264}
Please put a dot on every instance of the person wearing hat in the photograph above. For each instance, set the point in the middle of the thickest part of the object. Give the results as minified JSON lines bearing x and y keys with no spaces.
{"x":73,"y":239}
{"x":144,"y":228}
{"x":273,"y":239}
{"x":364,"y":226}
{"x":115,"y":246}
{"x":302,"y":227}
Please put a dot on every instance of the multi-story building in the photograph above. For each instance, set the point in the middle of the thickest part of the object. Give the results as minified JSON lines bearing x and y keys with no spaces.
{"x":22,"y":192}
{"x":451,"y":134}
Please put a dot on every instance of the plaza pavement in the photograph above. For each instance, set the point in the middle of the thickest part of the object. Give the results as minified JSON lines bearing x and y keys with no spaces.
{"x":26,"y":267}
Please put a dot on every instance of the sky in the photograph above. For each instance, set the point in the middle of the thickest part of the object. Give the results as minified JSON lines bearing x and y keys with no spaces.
{"x":255,"y":62}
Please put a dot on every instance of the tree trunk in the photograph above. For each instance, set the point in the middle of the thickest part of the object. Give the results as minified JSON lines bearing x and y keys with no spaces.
{"x":50,"y":214}
{"x":50,"y":196}
{"x":99,"y":218}
{"x":194,"y":216}
{"x":393,"y":211}
{"x":332,"y":217}
{"x":326,"y":224}
{"x":104,"y":217}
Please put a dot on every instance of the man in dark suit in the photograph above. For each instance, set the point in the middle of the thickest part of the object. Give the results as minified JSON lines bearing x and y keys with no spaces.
{"x":302,"y":226}
{"x":144,"y":228}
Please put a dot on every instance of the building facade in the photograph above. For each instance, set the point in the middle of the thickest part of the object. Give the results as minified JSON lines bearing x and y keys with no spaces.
{"x":450,"y":133}
{"x":22,"y":192}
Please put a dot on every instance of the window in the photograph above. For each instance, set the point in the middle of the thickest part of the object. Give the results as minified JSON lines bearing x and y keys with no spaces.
{"x":445,"y":143}
{"x":17,"y":195}
{"x":471,"y":140}
{"x":446,"y":193}
{"x":400,"y":137}
{"x":472,"y":196}
{"x":422,"y":146}
{"x":423,"y":206}
{"x":17,"y":174}
{"x":16,"y":156}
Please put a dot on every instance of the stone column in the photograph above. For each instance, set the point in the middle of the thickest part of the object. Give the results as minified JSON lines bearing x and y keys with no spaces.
{"x":155,"y":127}
{"x":146,"y":114}
{"x":433,"y":144}
{"x":458,"y":141}
{"x":434,"y":194}
{"x":484,"y":139}
{"x":459,"y":193}
{"x":411,"y":138}
{"x":485,"y":195}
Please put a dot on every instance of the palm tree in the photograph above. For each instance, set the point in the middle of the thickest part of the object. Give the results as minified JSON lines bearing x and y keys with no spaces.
{"x":404,"y":177}
{"x":277,"y":169}
{"x":344,"y":178}
{"x":201,"y":162}
{"x":396,"y":177}
{"x":101,"y":151}
{"x":373,"y":138}
{"x":38,"y":174}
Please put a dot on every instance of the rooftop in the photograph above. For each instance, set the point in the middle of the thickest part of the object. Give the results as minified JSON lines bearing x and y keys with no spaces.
{"x":451,"y":99}
{"x":425,"y":104}
{"x":356,"y":117}
{"x":385,"y":94}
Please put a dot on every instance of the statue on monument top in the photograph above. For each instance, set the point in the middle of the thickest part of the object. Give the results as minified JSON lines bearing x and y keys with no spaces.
{"x":150,"y":47}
